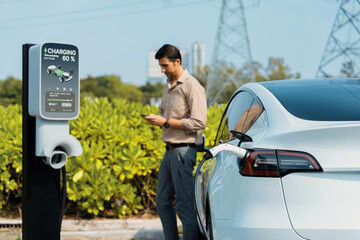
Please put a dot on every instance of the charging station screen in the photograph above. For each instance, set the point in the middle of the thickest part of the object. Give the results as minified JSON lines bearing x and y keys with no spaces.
{"x":59,"y":80}
{"x":60,"y":102}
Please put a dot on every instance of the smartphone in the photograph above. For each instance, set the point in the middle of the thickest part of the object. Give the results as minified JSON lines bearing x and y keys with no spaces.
{"x":142,"y":115}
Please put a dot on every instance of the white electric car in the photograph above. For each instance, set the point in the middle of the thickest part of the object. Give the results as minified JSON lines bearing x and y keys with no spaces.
{"x":300,"y":177}
{"x":62,"y":75}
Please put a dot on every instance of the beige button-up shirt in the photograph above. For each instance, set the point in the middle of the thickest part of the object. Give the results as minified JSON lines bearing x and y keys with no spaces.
{"x":184,"y":101}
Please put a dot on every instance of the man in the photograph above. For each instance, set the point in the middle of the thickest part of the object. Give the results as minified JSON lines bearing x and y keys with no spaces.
{"x":183,"y":113}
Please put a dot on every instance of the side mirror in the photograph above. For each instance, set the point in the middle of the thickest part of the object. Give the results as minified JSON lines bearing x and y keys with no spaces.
{"x":241,"y":136}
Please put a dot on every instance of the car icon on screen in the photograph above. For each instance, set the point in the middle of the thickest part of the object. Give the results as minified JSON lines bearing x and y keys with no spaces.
{"x":62,"y":75}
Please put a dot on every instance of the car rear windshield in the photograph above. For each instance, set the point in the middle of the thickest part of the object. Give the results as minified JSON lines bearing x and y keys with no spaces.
{"x":319,"y":99}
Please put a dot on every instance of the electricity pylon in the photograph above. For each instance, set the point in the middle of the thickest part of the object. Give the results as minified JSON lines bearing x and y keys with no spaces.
{"x":231,"y":50}
{"x":343,"y":45}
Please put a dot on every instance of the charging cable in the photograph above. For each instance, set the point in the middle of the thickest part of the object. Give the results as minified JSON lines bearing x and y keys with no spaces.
{"x":237,"y":151}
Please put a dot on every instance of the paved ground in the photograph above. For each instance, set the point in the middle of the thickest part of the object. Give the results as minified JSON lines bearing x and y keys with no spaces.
{"x":122,"y":229}
{"x":10,"y":234}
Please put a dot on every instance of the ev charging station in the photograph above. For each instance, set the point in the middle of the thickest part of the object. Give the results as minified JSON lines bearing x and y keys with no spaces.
{"x":51,"y":97}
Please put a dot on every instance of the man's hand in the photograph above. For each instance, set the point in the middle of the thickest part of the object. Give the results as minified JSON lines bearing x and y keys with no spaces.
{"x":155,"y":120}
{"x":158,"y":120}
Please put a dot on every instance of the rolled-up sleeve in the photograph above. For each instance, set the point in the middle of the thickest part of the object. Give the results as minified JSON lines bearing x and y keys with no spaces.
{"x":198,"y":108}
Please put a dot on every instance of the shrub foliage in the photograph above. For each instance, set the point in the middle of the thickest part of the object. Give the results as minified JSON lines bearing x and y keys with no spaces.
{"x":117,"y":173}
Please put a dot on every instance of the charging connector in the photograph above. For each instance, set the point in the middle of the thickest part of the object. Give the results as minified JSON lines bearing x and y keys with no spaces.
{"x":237,"y":151}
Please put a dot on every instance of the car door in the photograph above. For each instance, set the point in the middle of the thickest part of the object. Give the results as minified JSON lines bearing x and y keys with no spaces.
{"x":242,"y":114}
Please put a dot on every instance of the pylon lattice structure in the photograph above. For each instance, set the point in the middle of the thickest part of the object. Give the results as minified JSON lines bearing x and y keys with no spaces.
{"x":231,"y":49}
{"x":343,"y":45}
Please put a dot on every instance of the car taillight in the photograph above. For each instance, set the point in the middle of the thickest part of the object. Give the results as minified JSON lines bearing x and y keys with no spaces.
{"x":296,"y":162}
{"x":261,"y":163}
{"x":277,"y":163}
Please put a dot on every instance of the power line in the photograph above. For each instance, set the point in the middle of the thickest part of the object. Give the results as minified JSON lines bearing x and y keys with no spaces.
{"x":102,"y":16}
{"x":75,"y":12}
{"x":11,"y":1}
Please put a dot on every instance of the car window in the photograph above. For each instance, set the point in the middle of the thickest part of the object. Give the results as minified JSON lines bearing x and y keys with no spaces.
{"x":319,"y":99}
{"x":240,"y":115}
{"x":259,"y":125}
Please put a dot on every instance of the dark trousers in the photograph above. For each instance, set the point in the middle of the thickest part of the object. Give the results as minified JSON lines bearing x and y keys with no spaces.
{"x":176,"y":178}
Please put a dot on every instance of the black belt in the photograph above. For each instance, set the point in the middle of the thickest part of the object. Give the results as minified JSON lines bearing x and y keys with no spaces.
{"x":171,"y":146}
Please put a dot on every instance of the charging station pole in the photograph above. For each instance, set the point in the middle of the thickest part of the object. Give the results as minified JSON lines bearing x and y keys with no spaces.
{"x":41,"y":183}
{"x":46,"y":140}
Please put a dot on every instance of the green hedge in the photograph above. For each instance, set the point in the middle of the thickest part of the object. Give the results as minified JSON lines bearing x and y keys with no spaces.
{"x":10,"y":154}
{"x":117,"y":173}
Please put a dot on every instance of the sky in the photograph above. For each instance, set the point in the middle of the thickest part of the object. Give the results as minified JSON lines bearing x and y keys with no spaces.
{"x":115,"y":36}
